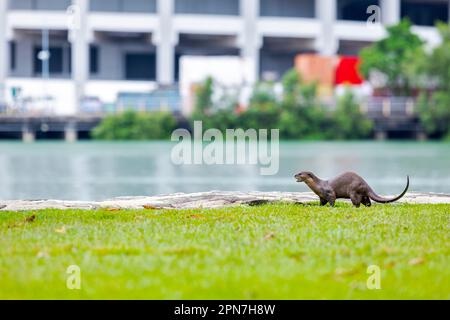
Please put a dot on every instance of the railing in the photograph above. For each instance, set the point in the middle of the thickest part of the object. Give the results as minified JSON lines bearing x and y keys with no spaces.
{"x":170,"y":99}
{"x":389,"y":107}
{"x":165,"y":99}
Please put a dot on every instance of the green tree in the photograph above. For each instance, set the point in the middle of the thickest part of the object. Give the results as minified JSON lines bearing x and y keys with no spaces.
{"x":438,"y":64}
{"x":397,"y":57}
{"x":263,"y":110}
{"x":296,"y":112}
{"x":133,"y":125}
{"x":301,"y":116}
{"x":349,"y":122}
{"x":203,"y":97}
{"x":434,"y":107}
{"x":434,"y":113}
{"x":220,"y":116}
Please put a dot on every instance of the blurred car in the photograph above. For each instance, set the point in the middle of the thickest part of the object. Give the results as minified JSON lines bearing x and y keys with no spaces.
{"x":91,"y":105}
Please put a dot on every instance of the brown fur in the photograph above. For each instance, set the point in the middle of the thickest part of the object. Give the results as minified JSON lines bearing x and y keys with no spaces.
{"x":346,"y":186}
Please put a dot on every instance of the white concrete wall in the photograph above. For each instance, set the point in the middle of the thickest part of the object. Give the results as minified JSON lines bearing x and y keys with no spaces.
{"x":129,"y":22}
{"x":33,"y":92}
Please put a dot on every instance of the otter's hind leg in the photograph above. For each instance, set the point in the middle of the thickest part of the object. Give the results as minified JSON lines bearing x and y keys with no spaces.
{"x":356,"y":199}
{"x":366,"y":201}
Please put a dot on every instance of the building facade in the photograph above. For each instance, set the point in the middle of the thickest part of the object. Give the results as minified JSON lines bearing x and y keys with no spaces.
{"x":102,"y":47}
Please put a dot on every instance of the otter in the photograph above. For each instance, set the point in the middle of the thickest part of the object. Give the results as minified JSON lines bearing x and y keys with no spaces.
{"x":346,"y":186}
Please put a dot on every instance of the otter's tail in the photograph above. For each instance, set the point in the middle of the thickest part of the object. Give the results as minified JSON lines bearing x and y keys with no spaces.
{"x":379,"y":199}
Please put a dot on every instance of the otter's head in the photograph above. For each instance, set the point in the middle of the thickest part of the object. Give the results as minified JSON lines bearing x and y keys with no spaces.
{"x":305,"y":176}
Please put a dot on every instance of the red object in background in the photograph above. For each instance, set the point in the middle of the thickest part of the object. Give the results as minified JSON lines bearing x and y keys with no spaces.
{"x":347,"y":71}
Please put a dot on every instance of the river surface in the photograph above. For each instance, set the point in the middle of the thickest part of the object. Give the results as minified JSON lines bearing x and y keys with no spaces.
{"x":102,"y":170}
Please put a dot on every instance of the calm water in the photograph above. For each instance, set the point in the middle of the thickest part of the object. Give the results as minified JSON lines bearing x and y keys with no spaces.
{"x":96,"y":171}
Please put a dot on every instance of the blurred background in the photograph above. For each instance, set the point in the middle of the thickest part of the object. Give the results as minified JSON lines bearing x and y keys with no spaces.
{"x":91,"y":90}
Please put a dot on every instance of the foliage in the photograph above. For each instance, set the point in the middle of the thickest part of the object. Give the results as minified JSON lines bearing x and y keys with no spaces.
{"x":297,"y":113}
{"x":280,"y":251}
{"x":401,"y":58}
{"x":349,"y":122}
{"x":434,"y":107}
{"x":263,"y":110}
{"x":203,"y":97}
{"x":434,"y":113}
{"x":221,"y":119}
{"x":396,"y":57}
{"x":133,"y":125}
{"x":438,"y":66}
{"x":301,"y":116}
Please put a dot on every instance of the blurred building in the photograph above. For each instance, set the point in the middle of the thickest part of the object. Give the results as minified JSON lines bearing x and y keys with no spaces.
{"x":105,"y":48}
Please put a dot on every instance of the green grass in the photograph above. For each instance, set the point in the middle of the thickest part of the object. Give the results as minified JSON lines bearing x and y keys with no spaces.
{"x":270,"y":252}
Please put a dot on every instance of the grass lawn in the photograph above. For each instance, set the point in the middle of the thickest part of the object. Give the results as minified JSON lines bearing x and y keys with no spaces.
{"x":280,"y":251}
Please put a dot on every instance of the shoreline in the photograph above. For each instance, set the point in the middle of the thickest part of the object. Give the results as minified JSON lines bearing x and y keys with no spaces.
{"x":200,"y":200}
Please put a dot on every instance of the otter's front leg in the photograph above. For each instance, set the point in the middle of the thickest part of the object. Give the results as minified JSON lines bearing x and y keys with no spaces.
{"x":323,"y":202}
{"x":331,"y":197}
{"x":332,"y":202}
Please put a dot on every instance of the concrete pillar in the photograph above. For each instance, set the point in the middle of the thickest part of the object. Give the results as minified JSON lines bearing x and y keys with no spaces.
{"x":327,"y":44}
{"x":79,"y":38}
{"x":421,"y":136}
{"x":249,"y":40}
{"x":390,"y":11}
{"x":28,"y":135}
{"x":380,"y":135}
{"x":4,"y":51}
{"x":165,"y":40}
{"x":70,"y":132}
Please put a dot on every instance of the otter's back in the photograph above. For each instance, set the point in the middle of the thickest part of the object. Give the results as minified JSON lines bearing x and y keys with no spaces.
{"x":345,"y":182}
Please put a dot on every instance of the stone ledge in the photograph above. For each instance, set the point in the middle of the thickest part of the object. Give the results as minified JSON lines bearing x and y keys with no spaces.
{"x":212,"y":199}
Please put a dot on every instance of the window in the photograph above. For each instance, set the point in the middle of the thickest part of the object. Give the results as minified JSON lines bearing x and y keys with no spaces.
{"x":221,"y":7}
{"x":12,"y":55}
{"x":55,"y":61}
{"x":355,"y":10}
{"x":425,"y":13}
{"x":21,"y":4}
{"x":93,"y":59}
{"x":287,"y":8}
{"x":140,"y":66}
{"x":51,"y":4}
{"x":141,"y":6}
{"x":39,"y":4}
